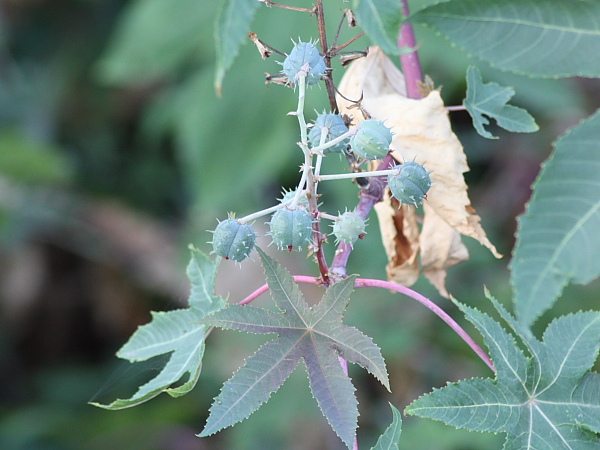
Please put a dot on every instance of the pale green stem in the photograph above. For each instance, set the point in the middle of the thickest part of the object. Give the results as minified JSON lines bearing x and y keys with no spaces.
{"x":306,"y":168}
{"x":327,"y":216}
{"x":261,"y":213}
{"x":320,"y":155}
{"x":374,"y":173}
{"x":292,"y":204}
{"x":300,"y":188}
{"x":318,"y":167}
{"x":300,"y":112}
{"x":332,"y":142}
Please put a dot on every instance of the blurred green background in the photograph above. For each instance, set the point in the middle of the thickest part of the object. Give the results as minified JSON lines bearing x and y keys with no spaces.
{"x":115,"y":153}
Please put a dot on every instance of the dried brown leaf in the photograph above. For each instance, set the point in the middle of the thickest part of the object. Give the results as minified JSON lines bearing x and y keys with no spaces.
{"x":369,"y":77}
{"x":447,"y":249}
{"x":400,"y":235}
{"x":422,"y":133}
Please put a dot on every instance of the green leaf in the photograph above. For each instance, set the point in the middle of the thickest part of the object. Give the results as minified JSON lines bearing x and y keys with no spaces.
{"x":391,"y":436}
{"x":542,"y":38}
{"x":175,"y":331}
{"x":381,"y":20}
{"x":315,"y":334}
{"x":231,"y":30}
{"x":152,"y":38}
{"x":542,"y":402}
{"x":558,"y":239}
{"x":490,"y":100}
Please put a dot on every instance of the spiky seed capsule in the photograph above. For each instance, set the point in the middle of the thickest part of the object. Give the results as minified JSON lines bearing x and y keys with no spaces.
{"x":304,"y":52}
{"x":379,"y":127}
{"x":233,"y":240}
{"x":411,"y":184}
{"x":372,"y":140}
{"x":349,"y":227}
{"x":291,"y":229}
{"x":334,"y":126}
{"x":289,"y":196}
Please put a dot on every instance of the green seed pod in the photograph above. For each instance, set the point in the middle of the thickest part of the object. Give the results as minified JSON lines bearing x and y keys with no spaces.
{"x":291,"y":229}
{"x":334,"y":126}
{"x":289,"y":196}
{"x":372,"y":140}
{"x":233,"y":240}
{"x":411,"y":184}
{"x":304,"y":52}
{"x":379,"y":127}
{"x":349,"y":227}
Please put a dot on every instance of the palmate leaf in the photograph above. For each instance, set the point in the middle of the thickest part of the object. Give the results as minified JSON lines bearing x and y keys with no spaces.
{"x":558,"y":239}
{"x":543,"y":402}
{"x":490,"y":100}
{"x":381,"y":20}
{"x":391,"y":436}
{"x":231,"y":30}
{"x":544,"y":38}
{"x":315,"y":334}
{"x":175,"y":331}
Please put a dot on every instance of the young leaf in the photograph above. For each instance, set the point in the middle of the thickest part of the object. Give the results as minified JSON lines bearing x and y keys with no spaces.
{"x":315,"y":334}
{"x":543,"y":38}
{"x":490,"y":100}
{"x":231,"y":30}
{"x":558,"y":239}
{"x":546,"y":401}
{"x":391,"y":436}
{"x":381,"y":20}
{"x":174,"y":331}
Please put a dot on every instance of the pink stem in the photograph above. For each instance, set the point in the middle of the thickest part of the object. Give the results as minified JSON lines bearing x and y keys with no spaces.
{"x":456,"y":108}
{"x":362,"y":282}
{"x":367,"y":282}
{"x":411,"y":66}
{"x":261,"y":290}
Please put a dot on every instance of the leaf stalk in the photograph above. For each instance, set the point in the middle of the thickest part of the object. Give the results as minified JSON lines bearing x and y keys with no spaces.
{"x":368,"y":282}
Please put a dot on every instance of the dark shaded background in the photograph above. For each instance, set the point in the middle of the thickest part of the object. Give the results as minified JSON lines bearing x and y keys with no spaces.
{"x":115,"y":154}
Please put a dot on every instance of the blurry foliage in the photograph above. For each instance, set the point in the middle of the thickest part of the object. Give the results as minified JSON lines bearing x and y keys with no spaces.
{"x":115,"y":153}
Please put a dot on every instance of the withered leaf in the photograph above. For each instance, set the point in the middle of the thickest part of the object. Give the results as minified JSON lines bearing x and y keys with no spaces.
{"x":422,"y":133}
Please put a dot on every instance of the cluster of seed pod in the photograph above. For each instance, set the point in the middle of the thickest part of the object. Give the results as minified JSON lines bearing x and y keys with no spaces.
{"x":291,"y":226}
